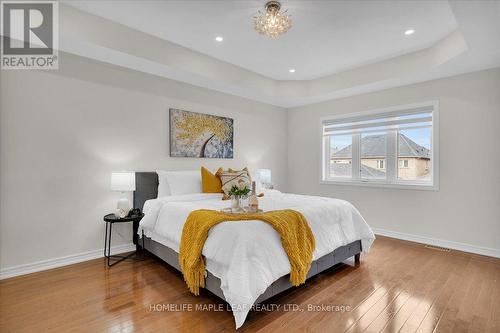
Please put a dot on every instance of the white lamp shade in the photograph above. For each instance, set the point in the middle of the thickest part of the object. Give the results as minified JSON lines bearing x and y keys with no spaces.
{"x":123,"y":181}
{"x":264,"y":176}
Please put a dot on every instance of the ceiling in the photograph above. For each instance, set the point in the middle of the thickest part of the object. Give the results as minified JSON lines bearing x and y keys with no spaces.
{"x":338,"y":48}
{"x":327,"y":36}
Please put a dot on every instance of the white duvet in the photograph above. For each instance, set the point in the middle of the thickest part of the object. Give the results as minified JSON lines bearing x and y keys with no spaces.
{"x":248,"y":257}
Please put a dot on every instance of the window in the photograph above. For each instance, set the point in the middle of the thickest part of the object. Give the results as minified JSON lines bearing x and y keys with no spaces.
{"x":340,"y":156}
{"x":414,"y":145}
{"x":380,"y":163}
{"x":403,"y":163}
{"x":396,"y":147}
{"x":372,"y":148}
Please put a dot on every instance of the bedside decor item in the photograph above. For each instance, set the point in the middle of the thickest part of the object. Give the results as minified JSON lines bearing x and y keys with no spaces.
{"x":120,"y":213}
{"x":232,"y":178}
{"x":123,"y":182}
{"x":265,"y":178}
{"x":200,"y":135}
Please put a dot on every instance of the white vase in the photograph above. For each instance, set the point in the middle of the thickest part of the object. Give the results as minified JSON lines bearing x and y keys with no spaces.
{"x":235,"y":203}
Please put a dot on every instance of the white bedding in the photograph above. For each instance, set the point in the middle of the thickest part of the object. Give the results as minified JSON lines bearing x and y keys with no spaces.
{"x":248,"y":257}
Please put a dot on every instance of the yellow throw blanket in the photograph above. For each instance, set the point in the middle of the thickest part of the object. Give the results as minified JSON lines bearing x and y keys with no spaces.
{"x":296,"y":237}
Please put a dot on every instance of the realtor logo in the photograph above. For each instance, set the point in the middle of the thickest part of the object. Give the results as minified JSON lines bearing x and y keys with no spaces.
{"x":29,"y":34}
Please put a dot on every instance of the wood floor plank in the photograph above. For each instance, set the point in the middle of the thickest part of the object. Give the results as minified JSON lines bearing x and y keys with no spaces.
{"x":450,"y":299}
{"x":391,"y":278}
{"x":429,"y":283}
{"x":342,"y":276}
{"x":398,"y":287}
{"x":493,"y":324}
{"x":482,"y":308}
{"x":412,"y":286}
{"x":421,"y":312}
{"x":329,"y":295}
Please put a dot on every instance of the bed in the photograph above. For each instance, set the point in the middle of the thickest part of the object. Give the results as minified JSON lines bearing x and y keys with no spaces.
{"x":245,"y":262}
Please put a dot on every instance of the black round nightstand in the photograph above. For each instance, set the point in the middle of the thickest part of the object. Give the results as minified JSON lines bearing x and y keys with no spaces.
{"x":110,"y":219}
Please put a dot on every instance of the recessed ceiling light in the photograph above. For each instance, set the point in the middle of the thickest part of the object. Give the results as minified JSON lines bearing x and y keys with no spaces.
{"x":291,"y":70}
{"x":409,"y":32}
{"x":219,"y":38}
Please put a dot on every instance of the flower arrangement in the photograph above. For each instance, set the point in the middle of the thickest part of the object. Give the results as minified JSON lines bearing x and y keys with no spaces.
{"x":239,"y":191}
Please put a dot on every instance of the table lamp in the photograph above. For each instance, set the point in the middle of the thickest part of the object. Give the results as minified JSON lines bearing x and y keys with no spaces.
{"x":265,"y":178}
{"x":123,"y":181}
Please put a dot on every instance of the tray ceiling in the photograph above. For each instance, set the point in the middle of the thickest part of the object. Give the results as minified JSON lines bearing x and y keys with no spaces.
{"x":327,"y":36}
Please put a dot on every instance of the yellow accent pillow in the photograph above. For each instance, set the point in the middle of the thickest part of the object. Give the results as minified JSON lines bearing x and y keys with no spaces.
{"x":210,"y":183}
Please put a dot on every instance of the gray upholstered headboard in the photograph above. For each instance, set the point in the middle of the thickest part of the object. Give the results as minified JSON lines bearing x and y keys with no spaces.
{"x":146,"y":187}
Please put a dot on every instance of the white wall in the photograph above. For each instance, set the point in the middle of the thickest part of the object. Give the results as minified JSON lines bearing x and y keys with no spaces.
{"x":63,"y":132}
{"x":466,"y":209}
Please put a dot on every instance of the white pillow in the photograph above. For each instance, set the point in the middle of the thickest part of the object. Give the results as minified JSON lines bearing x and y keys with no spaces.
{"x":179,"y":182}
{"x":163,"y":188}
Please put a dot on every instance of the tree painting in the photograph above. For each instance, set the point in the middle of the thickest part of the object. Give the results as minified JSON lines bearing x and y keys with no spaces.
{"x":200,"y":135}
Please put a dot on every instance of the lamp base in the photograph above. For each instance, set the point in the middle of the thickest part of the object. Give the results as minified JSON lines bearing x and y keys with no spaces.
{"x":122,"y":207}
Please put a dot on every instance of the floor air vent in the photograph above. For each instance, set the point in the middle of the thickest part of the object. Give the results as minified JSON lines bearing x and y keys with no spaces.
{"x":438,"y":248}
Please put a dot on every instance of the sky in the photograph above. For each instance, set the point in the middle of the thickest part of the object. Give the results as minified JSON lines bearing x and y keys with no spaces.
{"x":421,"y":136}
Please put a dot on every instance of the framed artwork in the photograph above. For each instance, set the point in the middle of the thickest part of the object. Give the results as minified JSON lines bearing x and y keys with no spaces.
{"x":201,"y":135}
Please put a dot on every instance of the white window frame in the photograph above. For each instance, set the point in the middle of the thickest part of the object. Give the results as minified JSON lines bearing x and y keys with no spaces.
{"x":391,"y":164}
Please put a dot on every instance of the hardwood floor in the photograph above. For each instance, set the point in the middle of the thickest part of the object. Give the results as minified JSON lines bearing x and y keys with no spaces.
{"x":399,"y":287}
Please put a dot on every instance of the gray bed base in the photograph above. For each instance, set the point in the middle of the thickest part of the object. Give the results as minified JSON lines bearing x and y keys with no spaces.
{"x":147,"y":188}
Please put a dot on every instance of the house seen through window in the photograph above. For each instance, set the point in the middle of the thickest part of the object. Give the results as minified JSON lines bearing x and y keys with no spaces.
{"x":393,"y":147}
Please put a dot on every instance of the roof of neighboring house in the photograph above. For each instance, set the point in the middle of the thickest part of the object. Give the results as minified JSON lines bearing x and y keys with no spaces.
{"x":375,"y":146}
{"x":345,"y":170}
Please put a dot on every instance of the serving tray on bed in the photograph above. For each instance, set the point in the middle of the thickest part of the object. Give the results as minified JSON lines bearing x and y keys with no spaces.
{"x":242,"y":211}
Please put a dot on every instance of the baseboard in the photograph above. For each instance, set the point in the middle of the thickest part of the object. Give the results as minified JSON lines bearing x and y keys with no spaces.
{"x":76,"y":258}
{"x":485,"y":251}
{"x":62,"y":261}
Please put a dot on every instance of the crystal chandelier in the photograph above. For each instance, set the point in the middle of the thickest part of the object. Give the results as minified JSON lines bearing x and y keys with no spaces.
{"x":272,"y":23}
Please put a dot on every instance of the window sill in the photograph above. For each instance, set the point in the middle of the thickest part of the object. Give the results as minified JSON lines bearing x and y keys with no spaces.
{"x":402,"y":186}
